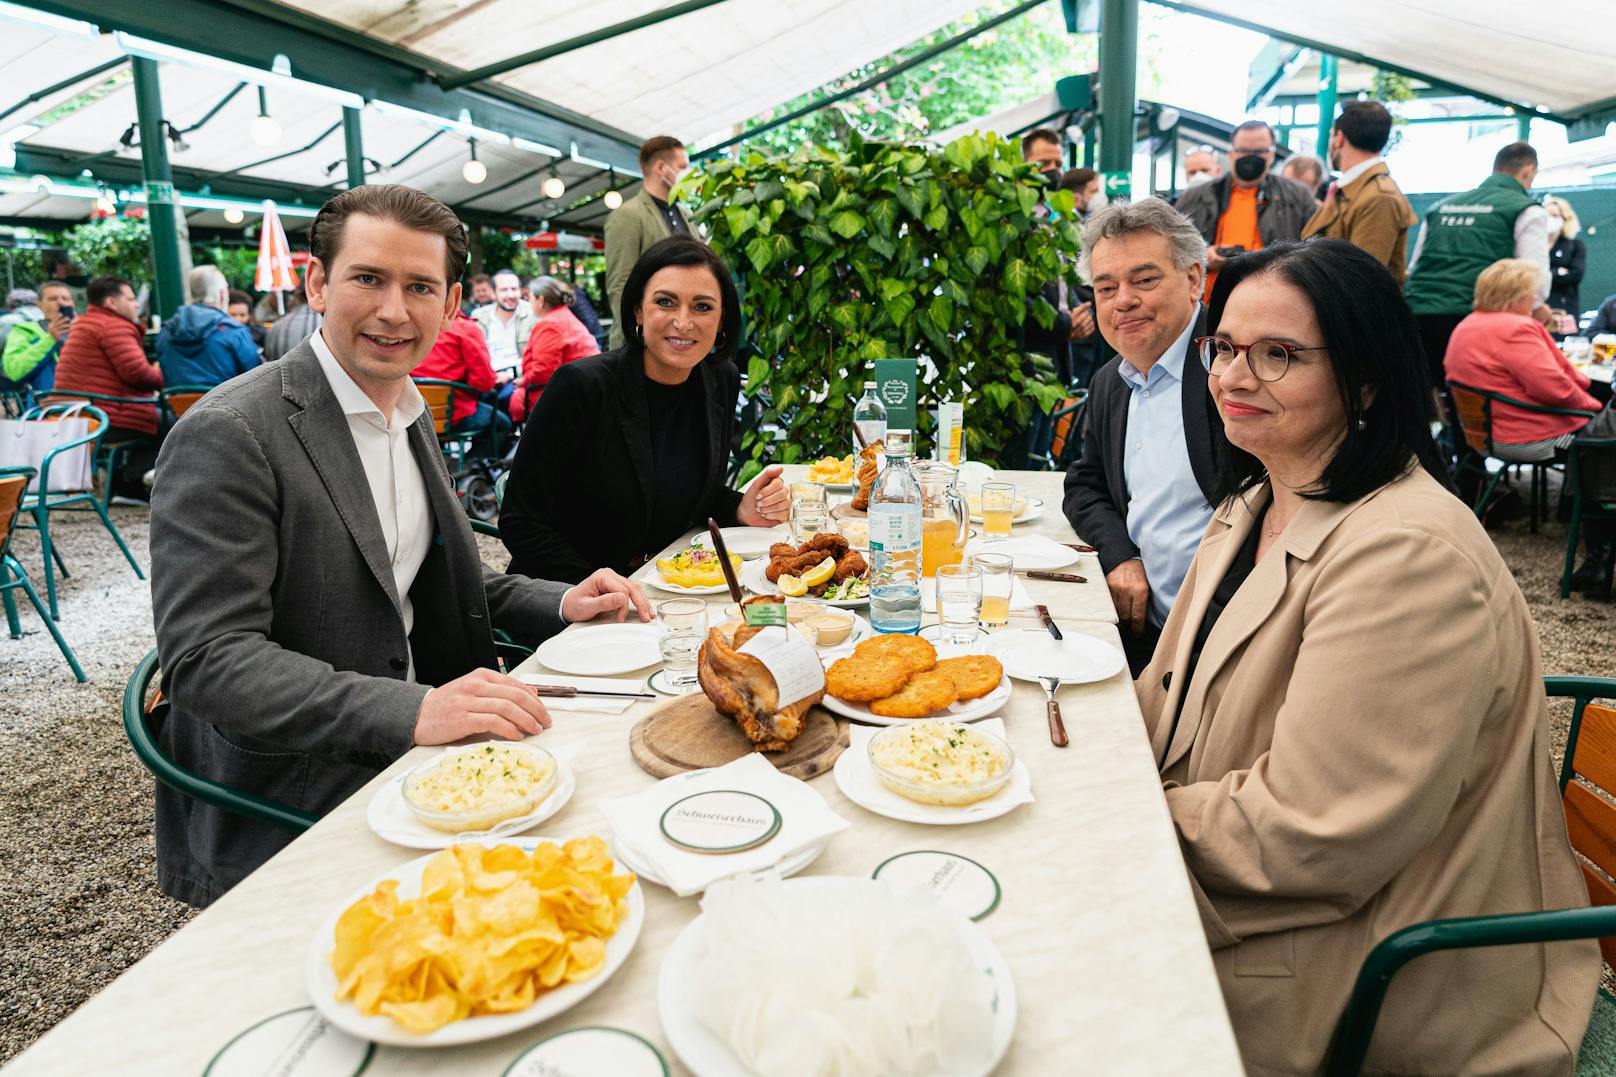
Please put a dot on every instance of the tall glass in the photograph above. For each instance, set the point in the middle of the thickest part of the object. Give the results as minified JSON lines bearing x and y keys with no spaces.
{"x":808,"y":491}
{"x":959,"y":602}
{"x":998,"y":509}
{"x":808,"y":518}
{"x":998,"y":580}
{"x":682,"y":624}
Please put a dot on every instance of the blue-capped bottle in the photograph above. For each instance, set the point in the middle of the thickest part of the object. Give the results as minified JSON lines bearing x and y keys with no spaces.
{"x":895,"y":532}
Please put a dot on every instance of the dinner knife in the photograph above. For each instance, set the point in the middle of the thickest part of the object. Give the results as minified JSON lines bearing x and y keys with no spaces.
{"x":1079,"y":547}
{"x":1049,"y":622}
{"x":567,"y":691}
{"x":723,"y":560}
{"x":1058,"y":577}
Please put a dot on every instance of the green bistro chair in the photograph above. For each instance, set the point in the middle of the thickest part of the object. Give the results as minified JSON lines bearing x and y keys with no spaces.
{"x":107,"y":455}
{"x":1473,"y":410}
{"x":1067,"y":420}
{"x":176,"y":400}
{"x":141,"y":720}
{"x":42,"y":503}
{"x":511,"y":653}
{"x":13,"y":482}
{"x":1590,"y":763}
{"x":440,"y":398}
{"x":1583,"y":508}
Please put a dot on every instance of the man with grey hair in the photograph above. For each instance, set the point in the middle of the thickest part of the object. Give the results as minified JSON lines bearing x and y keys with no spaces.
{"x":201,"y":345}
{"x":1141,"y":494}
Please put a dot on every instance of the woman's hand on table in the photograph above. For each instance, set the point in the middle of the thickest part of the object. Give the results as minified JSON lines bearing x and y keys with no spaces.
{"x":483,"y":701}
{"x":766,"y":502}
{"x":604,"y":592}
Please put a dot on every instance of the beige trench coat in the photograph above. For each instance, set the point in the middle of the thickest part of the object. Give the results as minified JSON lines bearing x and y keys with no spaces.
{"x":1364,"y":746}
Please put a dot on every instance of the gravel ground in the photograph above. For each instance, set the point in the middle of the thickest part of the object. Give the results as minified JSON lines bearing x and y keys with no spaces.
{"x":78,"y":895}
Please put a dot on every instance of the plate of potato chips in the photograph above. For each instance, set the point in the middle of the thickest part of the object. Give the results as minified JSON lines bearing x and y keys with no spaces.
{"x":477,"y":941}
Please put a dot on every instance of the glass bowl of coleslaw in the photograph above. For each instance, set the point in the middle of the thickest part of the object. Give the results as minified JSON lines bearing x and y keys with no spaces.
{"x":936,"y":761}
{"x":476,"y":787}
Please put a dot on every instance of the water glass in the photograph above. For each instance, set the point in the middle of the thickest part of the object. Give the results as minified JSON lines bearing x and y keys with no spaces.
{"x":808,"y":518}
{"x":808,"y":491}
{"x":682,"y":627}
{"x":959,"y":602}
{"x":998,"y":580}
{"x":998,"y":509}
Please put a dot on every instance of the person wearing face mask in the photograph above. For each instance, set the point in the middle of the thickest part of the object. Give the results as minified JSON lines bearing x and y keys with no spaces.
{"x":1364,"y":206}
{"x":1250,"y":208}
{"x":645,"y":219}
{"x":1567,"y":256}
{"x":1042,"y":148}
{"x":1201,"y":166}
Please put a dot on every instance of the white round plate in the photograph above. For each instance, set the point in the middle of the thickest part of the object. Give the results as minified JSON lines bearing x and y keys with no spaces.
{"x":746,"y":543}
{"x":321,"y":980}
{"x":601,"y":650}
{"x":872,"y":796}
{"x":753,"y":579}
{"x":391,"y":819}
{"x":700,"y":1049}
{"x":654,"y":579}
{"x":1028,"y":551}
{"x":966,"y":710}
{"x":1033,"y":509}
{"x":1028,"y":653}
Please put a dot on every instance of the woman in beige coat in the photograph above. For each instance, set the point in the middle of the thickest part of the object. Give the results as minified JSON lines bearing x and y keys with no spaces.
{"x":1347,"y":702}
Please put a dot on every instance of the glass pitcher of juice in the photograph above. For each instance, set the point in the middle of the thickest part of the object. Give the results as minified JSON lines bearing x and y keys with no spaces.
{"x":944,"y":518}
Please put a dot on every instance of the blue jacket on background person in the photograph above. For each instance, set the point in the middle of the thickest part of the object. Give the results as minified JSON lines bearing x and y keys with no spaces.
{"x":202,"y":345}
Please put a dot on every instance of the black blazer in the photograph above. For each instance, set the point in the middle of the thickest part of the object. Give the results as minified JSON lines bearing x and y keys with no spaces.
{"x":1096,"y":499}
{"x":1568,"y":261}
{"x":580,"y":493}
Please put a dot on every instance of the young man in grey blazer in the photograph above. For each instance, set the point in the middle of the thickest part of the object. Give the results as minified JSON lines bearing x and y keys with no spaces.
{"x":319,"y":603}
{"x":645,"y":219}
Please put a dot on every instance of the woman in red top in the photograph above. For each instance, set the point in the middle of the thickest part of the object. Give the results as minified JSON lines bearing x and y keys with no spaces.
{"x":558,"y":337}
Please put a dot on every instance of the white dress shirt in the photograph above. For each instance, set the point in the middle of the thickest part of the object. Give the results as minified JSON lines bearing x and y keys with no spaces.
{"x":1167,"y":512}
{"x":502,"y":343}
{"x":397,"y":488}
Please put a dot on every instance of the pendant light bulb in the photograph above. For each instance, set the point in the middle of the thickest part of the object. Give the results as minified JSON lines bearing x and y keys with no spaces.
{"x":554,"y":187}
{"x":613,"y":199}
{"x":473,"y":171}
{"x":264,"y":129}
{"x":234,"y":215}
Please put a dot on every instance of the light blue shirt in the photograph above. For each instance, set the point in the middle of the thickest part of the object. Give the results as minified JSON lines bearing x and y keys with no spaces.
{"x":1167,"y":512}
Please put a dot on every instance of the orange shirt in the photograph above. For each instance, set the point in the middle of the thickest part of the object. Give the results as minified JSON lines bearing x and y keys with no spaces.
{"x":1237,"y":227}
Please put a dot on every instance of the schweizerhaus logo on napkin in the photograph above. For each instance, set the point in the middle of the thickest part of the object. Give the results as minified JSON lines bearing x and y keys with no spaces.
{"x":791,"y":660}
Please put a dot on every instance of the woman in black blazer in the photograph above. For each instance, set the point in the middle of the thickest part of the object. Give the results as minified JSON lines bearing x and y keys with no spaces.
{"x":627,"y":450}
{"x":1568,"y":258}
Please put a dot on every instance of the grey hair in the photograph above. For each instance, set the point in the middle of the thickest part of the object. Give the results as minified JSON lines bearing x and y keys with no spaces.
{"x":21,"y":297}
{"x":555,"y":293}
{"x":205,"y":283}
{"x":1146,"y":215}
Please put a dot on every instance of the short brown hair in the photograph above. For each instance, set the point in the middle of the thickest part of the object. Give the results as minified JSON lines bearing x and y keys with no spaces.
{"x":655,"y":147}
{"x":1075,"y":179}
{"x":481,"y":278}
{"x":1506,"y":281}
{"x":1038,"y":134}
{"x":1515,"y":157}
{"x":409,"y":207}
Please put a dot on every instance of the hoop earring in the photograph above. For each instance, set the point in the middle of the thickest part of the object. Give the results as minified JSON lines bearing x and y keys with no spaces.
{"x":1363,"y":424}
{"x":718,"y":341}
{"x":639,"y":332}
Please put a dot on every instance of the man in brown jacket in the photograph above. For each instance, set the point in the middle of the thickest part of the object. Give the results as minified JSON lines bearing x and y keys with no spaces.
{"x":1363,"y":206}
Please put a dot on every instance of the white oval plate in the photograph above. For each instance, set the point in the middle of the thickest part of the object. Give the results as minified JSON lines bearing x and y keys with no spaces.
{"x":1028,"y":551}
{"x":1028,"y":653}
{"x":882,"y":801}
{"x":747,"y":543}
{"x":753,"y":579}
{"x":321,"y":980}
{"x":391,"y":819}
{"x":968,"y":710}
{"x":1033,"y":509}
{"x":700,"y":1049}
{"x":601,"y":650}
{"x":655,"y":579}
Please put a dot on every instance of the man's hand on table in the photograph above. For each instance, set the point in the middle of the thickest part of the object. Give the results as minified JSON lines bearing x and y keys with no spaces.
{"x":482,"y":701}
{"x":1130,"y":592}
{"x":604,"y":592}
{"x":766,"y":502}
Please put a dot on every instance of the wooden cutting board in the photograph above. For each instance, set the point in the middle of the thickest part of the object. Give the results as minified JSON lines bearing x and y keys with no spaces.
{"x":689,"y":733}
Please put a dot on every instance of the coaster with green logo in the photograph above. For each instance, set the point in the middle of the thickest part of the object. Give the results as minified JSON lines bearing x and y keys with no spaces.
{"x":297,"y":1043}
{"x":588,"y":1052}
{"x":958,"y":881}
{"x":720,"y":821}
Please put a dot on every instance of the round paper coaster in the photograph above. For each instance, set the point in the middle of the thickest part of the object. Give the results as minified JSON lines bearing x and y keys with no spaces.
{"x":297,"y":1043}
{"x":658,"y":683}
{"x":958,"y":881}
{"x":594,"y":1049}
{"x":720,"y":821}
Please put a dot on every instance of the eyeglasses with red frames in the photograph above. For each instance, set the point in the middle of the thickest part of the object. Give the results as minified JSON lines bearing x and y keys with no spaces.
{"x":1268,"y":359}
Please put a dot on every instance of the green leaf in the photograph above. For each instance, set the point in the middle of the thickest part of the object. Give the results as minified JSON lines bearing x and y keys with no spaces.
{"x":941,"y":313}
{"x":936,"y":218}
{"x":847,"y":224}
{"x":892,"y":287}
{"x":972,"y":222}
{"x":883,"y":214}
{"x":976,"y":259}
{"x":757,"y":372}
{"x":1043,"y":312}
{"x":845,"y":316}
{"x":911,"y":199}
{"x":760,"y":252}
{"x":1027,"y":198}
{"x":886,"y":248}
{"x":899,"y":307}
{"x":1017,"y":278}
{"x":819,"y":234}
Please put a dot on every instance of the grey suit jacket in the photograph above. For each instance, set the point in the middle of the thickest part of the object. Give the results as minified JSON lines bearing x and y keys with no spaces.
{"x":281,"y":639}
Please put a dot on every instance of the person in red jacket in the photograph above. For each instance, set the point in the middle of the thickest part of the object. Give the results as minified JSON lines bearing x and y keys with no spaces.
{"x":104,"y":353}
{"x":461,"y":354}
{"x":558,"y":337}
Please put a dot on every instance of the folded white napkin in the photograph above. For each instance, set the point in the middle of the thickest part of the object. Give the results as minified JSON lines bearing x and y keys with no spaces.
{"x":1019,"y":598}
{"x":805,"y":818}
{"x":865,"y":788}
{"x":598,"y":704}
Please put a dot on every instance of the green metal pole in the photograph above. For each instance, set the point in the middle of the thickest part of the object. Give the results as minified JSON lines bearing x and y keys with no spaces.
{"x":1523,"y":126}
{"x":354,"y":144}
{"x":1328,"y":74}
{"x":1119,"y":57}
{"x":162,"y":208}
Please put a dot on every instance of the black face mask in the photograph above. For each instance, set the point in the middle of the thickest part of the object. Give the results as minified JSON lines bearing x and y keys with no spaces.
{"x":1250,"y":167}
{"x":1051,"y":177}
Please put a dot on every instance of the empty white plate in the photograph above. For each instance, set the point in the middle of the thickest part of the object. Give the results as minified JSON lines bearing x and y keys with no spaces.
{"x":601,"y":650}
{"x":746,"y":542}
{"x":1030,"y":653}
{"x":1028,"y":551}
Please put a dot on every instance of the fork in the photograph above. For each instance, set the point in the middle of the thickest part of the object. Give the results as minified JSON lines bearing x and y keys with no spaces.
{"x":1057,"y":728}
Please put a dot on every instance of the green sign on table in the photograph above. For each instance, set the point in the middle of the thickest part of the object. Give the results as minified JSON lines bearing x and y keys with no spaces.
{"x":895,"y":385}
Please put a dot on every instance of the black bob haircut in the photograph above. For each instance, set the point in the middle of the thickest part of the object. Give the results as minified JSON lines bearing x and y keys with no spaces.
{"x":1373,"y":344}
{"x":681,"y":251}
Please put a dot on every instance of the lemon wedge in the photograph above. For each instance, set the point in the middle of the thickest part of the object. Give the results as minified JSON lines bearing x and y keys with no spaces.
{"x":792,"y":586}
{"x":820,"y":572}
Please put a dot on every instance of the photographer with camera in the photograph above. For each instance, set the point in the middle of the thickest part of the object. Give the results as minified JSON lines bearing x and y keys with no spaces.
{"x":1249,"y":207}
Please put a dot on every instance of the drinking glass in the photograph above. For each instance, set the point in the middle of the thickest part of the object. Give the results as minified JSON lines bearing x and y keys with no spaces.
{"x":998,"y":578}
{"x":998,"y":509}
{"x":959,"y":602}
{"x":682,"y":624}
{"x":808,"y":491}
{"x":808,"y":518}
